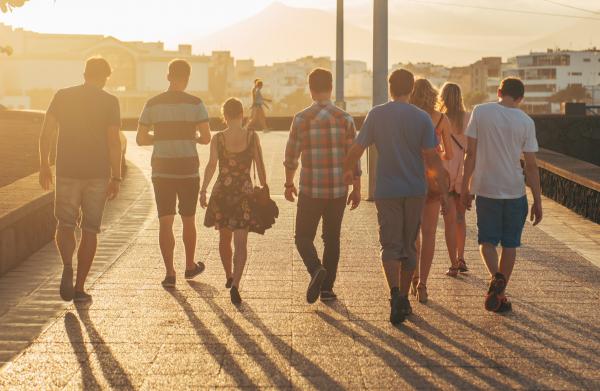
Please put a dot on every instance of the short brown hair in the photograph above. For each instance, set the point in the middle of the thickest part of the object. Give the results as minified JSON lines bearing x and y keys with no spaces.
{"x":180,"y":69}
{"x":320,"y":80}
{"x":97,"y":68}
{"x":401,"y":82}
{"x":232,"y":108}
{"x":513,"y":87}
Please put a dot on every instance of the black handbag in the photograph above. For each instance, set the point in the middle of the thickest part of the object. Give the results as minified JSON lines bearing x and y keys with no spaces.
{"x":265,"y":208}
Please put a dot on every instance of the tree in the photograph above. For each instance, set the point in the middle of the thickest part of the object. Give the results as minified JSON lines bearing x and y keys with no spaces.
{"x":8,"y":5}
{"x":473,"y":98}
{"x":573,"y":93}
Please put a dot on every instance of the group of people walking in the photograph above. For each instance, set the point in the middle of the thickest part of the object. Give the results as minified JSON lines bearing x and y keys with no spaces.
{"x":433,"y":156}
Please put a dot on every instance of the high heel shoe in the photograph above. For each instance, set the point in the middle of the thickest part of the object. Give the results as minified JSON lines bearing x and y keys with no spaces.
{"x":422,"y":295}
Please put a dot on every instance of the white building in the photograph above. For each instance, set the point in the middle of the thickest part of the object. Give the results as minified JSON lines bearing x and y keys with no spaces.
{"x":43,"y":63}
{"x":544,"y":74}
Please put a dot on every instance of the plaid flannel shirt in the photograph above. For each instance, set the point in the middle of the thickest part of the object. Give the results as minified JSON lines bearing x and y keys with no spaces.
{"x":321,"y":136}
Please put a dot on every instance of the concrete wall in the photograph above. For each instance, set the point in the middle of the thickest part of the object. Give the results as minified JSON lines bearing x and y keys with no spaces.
{"x":26,"y":221}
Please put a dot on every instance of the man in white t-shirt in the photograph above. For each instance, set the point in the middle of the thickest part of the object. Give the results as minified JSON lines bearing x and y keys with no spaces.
{"x":498,"y":135}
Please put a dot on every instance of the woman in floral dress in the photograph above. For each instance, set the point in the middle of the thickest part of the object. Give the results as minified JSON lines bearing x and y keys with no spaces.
{"x":230,"y":208}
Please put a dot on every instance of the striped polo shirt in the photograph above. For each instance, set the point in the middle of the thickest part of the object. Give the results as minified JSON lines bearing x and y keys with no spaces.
{"x":174,"y":117}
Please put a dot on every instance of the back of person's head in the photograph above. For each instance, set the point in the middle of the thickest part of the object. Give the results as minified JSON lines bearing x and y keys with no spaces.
{"x":451,"y":103}
{"x":97,"y":69}
{"x":401,"y":82}
{"x":424,"y":95}
{"x":320,"y":80}
{"x":258,"y":83}
{"x":512,"y":87}
{"x":179,"y":70}
{"x":232,"y":109}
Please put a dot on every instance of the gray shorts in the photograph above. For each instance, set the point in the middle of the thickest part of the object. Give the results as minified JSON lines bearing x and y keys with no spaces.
{"x":80,"y":202}
{"x":399,"y":223}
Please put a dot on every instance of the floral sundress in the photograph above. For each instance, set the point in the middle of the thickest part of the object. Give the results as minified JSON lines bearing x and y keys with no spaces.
{"x":230,"y":204}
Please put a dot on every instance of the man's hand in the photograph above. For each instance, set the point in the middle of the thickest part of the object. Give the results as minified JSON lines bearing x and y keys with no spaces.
{"x":466,"y":199}
{"x":536,"y":213}
{"x":354,"y":199}
{"x":444,"y":204}
{"x":203,"y":201}
{"x":290,"y":192}
{"x":45,"y":177}
{"x":113,"y":189}
{"x":349,"y":177}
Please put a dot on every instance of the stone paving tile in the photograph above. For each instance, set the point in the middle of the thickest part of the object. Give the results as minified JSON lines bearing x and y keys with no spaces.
{"x":136,"y":335}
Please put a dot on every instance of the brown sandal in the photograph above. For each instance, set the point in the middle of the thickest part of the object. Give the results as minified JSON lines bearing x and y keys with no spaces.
{"x":452,"y":271}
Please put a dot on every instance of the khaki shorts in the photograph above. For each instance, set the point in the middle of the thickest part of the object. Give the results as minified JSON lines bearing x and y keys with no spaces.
{"x":399,"y":223}
{"x":80,"y":203}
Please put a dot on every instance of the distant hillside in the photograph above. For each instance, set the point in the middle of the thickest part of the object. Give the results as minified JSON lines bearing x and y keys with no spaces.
{"x":280,"y":33}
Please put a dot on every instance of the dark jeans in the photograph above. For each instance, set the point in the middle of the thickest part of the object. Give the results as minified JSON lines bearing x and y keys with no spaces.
{"x":310,"y":212}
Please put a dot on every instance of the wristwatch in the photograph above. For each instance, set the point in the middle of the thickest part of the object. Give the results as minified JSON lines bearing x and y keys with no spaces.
{"x":115,"y":179}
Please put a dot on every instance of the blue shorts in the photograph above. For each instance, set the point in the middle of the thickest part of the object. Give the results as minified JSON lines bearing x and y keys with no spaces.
{"x":501,"y":221}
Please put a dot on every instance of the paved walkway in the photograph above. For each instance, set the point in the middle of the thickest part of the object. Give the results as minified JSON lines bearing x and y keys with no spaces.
{"x":136,"y":335}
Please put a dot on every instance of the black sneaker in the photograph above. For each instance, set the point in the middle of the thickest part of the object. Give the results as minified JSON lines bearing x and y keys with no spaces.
{"x":505,"y":305}
{"x":405,"y":306}
{"x":314,"y":287}
{"x":235,"y":295}
{"x":81,"y":297}
{"x":229,"y":283}
{"x":66,"y":284}
{"x":198,"y":269}
{"x":397,"y":315}
{"x":169,"y":282}
{"x":494,"y":295}
{"x":328,"y":296}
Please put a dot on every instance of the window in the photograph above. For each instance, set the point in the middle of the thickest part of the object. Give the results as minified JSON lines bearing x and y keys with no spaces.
{"x":575,"y":74}
{"x":587,"y":60}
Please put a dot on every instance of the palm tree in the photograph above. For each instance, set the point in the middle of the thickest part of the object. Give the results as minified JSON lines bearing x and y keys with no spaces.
{"x":8,"y":5}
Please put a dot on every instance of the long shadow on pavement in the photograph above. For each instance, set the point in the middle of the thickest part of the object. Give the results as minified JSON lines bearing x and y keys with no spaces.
{"x":409,"y":374}
{"x":235,"y":370}
{"x":112,"y":370}
{"x":573,"y":378}
{"x":73,"y":328}
{"x":321,"y":379}
{"x":276,"y":376}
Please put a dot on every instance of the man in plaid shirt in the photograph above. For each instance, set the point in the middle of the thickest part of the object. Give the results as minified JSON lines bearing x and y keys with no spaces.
{"x":321,"y":136}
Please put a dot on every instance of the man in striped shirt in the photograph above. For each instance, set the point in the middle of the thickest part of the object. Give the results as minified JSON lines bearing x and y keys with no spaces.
{"x":179,"y":121}
{"x":321,"y":135}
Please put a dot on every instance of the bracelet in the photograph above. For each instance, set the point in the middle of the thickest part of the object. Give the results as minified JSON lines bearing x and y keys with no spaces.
{"x":288,"y":185}
{"x":115,"y":179}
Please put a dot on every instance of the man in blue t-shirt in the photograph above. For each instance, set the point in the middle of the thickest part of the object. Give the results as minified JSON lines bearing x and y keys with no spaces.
{"x":406,"y":145}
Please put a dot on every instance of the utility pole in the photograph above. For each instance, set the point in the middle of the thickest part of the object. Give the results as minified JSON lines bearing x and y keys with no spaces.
{"x":339,"y":57}
{"x":380,"y":73}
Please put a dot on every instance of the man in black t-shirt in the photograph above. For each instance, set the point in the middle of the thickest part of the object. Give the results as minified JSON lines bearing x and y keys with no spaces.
{"x":88,"y":168}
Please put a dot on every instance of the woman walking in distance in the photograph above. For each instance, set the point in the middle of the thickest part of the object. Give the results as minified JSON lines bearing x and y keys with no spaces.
{"x":451,"y":104}
{"x":230,"y":208}
{"x":425,"y":97}
{"x":259,"y":119}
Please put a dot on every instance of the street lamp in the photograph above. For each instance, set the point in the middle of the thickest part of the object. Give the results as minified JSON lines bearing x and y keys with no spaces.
{"x":339,"y":57}
{"x":380,"y":71}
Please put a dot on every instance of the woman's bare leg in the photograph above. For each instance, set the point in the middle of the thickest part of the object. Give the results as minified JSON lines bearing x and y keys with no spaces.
{"x":240,"y":244}
{"x":225,"y":251}
{"x":431,"y":213}
{"x":450,"y":231}
{"x":461,"y":229}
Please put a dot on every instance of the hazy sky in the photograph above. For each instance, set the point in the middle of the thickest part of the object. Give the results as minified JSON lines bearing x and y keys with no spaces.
{"x":149,"y":20}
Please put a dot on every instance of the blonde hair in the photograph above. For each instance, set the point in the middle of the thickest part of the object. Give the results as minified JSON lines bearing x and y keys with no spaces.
{"x":451,"y":103}
{"x":424,"y":96}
